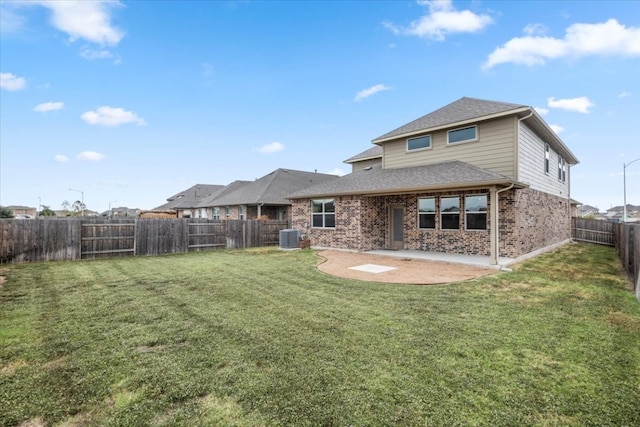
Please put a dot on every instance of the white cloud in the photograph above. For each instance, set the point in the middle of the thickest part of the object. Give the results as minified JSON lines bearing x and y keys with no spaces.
{"x":90,"y":156}
{"x":609,"y":38}
{"x":9,"y":81}
{"x":109,"y":116}
{"x":88,"y":20}
{"x":48,"y":106}
{"x":442,"y":20}
{"x":624,"y":94}
{"x":557,"y":128}
{"x":541,"y":110}
{"x":580,"y":105}
{"x":273,"y":147}
{"x":93,"y":54}
{"x":59,"y":158}
{"x":370,"y":91}
{"x":10,"y":22}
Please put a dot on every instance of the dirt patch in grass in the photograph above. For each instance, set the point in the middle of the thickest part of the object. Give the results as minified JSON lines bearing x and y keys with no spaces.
{"x":409,"y":271}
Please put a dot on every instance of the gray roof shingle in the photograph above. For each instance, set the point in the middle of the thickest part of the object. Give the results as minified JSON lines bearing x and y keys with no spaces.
{"x":273,"y":188}
{"x":191,"y":197}
{"x":458,"y":111}
{"x":375,"y":180}
{"x":371,"y":153}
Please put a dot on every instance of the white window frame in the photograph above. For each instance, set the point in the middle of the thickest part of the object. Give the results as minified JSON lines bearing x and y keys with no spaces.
{"x":485,"y":212}
{"x":547,"y":159}
{"x":216,"y":213}
{"x":464,"y":140}
{"x":227,"y":211}
{"x":420,"y":148}
{"x":562,"y":169}
{"x":449,"y":213}
{"x":323,"y":214}
{"x":434,"y":213}
{"x":241,"y":212}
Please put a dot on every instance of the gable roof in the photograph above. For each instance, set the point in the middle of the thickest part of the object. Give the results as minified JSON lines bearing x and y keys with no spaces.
{"x":472,"y":110}
{"x":273,"y":188}
{"x":374,"y":152}
{"x":234,"y":186}
{"x":191,"y":197}
{"x":375,"y":180}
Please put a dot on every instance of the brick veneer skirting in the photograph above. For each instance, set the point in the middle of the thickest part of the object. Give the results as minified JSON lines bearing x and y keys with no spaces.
{"x":529,"y":220}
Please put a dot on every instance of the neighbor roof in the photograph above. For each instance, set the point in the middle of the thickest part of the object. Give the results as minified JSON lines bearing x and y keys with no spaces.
{"x":375,"y":180}
{"x":211,"y":200}
{"x":273,"y":188}
{"x":190,"y":197}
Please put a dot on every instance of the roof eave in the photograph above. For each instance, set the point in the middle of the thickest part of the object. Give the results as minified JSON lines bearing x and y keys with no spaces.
{"x":408,"y":190}
{"x":379,"y":141}
{"x":362,"y":159}
{"x":567,"y":154}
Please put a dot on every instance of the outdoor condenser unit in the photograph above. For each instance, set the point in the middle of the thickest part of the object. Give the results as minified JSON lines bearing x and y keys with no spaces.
{"x":289,"y":238}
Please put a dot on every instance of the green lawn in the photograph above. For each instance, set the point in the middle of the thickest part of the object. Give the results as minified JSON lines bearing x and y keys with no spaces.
{"x":260,"y":337}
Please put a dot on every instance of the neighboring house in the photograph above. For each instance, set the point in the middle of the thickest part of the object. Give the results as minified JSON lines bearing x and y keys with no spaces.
{"x":588,"y":211}
{"x":186,"y":202}
{"x":266,"y":197}
{"x":616,"y":213}
{"x":121,"y":212}
{"x":474,"y":177}
{"x":23,"y":210}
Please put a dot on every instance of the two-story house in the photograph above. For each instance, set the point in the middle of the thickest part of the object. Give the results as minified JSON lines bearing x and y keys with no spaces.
{"x":474,"y":177}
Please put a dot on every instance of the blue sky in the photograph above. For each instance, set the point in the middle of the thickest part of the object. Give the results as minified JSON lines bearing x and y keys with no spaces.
{"x":134,"y":101}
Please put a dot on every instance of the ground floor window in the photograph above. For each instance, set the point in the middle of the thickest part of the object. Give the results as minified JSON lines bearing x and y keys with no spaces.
{"x":475,"y":209}
{"x":216,"y":213}
{"x":450,"y":213}
{"x":427,"y":213}
{"x":323,"y":213}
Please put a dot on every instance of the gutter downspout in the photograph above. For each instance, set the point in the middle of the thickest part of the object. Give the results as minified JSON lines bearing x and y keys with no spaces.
{"x":495,"y":201}
{"x":495,"y":223}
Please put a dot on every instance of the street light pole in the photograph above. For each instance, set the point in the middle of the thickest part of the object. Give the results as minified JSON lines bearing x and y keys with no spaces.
{"x":624,"y":183}
{"x":81,"y":195}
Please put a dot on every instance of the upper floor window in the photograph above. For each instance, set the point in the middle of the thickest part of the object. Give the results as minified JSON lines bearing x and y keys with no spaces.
{"x":419,"y":143}
{"x":475,"y":210}
{"x":323,"y":213}
{"x":427,"y":213}
{"x":450,"y":213}
{"x":562,"y":169}
{"x":462,"y":135}
{"x":547,"y":154}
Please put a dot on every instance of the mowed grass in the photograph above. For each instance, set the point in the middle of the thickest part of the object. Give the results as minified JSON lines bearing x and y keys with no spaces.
{"x":261,"y":338}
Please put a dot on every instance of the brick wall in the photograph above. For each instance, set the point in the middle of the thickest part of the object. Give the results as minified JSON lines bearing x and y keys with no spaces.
{"x":529,"y":220}
{"x":532,"y":220}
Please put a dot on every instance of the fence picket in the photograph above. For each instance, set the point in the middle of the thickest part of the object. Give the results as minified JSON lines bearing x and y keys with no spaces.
{"x":57,"y":239}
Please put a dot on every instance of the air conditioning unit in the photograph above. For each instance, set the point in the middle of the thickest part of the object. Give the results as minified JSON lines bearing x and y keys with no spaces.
{"x":289,"y":239}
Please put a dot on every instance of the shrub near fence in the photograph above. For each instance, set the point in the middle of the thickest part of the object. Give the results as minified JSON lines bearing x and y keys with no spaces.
{"x":57,"y":239}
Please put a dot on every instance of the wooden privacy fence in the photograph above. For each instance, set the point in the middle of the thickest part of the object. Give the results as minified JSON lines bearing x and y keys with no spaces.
{"x":57,"y":239}
{"x":592,"y":231}
{"x":627,"y":242}
{"x":624,"y":236}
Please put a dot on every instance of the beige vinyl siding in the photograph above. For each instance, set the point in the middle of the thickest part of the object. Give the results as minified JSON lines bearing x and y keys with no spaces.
{"x":531,"y":165}
{"x":356,"y":166}
{"x":495,"y":149}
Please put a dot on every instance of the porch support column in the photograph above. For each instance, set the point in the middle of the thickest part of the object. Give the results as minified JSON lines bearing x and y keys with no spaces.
{"x":495,"y":228}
